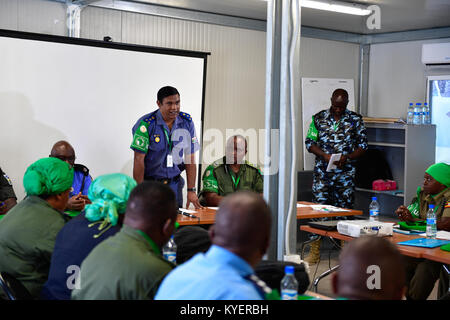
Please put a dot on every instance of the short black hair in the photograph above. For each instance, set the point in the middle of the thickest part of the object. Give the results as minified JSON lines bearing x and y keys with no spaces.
{"x":166,"y":92}
{"x":152,"y":201}
{"x":340,"y":92}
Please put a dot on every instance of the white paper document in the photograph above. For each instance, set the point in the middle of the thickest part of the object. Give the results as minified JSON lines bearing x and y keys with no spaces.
{"x":443,"y":235}
{"x":334,"y":157}
{"x":187,"y":210}
{"x":326,"y":207}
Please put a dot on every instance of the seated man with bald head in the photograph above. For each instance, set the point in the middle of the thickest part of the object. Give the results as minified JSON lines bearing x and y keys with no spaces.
{"x":226,"y":270}
{"x":81,"y":180}
{"x":370,"y":268}
{"x":230,"y":174}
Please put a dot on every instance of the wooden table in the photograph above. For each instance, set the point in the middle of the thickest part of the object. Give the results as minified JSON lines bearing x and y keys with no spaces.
{"x":208,"y":216}
{"x":435,"y":254}
{"x":309,"y":213}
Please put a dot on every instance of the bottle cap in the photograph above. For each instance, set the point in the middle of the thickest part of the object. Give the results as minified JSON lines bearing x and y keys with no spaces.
{"x":374,"y":198}
{"x":431,"y":206}
{"x":289,"y":270}
{"x":411,"y":103}
{"x":418,"y":104}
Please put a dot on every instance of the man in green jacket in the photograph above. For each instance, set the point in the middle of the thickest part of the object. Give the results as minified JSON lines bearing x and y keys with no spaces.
{"x":28,"y":231}
{"x":129,"y":265}
{"x":230,"y":174}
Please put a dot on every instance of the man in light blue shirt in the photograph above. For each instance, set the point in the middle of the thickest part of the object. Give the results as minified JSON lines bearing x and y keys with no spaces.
{"x":240,"y":238}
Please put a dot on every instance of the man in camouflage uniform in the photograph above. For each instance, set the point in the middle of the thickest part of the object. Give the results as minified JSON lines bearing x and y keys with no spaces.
{"x":422,"y":274}
{"x":332,"y":131}
{"x":8,"y":198}
{"x":230,"y":174}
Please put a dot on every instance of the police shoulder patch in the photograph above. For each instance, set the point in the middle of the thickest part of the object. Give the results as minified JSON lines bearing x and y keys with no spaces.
{"x":447,"y":204}
{"x":185,"y":115}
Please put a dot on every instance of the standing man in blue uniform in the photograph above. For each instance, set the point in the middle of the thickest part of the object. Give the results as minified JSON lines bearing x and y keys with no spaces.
{"x":335,"y":130}
{"x":164,"y":144}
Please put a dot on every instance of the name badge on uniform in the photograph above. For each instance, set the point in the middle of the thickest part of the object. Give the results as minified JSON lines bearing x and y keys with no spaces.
{"x":169,"y":161}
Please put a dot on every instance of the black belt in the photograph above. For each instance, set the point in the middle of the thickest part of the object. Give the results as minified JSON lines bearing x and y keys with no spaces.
{"x":163,"y":180}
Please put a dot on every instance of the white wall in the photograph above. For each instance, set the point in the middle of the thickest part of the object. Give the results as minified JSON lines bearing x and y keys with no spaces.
{"x":396,"y":77}
{"x":235,"y":88}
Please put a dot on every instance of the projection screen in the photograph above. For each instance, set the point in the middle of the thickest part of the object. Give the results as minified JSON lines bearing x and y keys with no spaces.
{"x":89,"y":93}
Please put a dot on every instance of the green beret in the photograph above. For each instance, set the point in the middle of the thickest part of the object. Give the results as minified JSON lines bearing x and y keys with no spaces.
{"x":48,"y":176}
{"x":440,"y":172}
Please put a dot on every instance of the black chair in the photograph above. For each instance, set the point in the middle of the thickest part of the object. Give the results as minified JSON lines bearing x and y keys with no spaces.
{"x":13,"y":288}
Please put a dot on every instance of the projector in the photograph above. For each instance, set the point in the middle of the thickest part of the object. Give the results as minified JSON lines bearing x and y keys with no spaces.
{"x":357,"y":228}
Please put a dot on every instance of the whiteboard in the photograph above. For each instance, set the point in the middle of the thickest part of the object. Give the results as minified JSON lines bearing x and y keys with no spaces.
{"x":90,"y":96}
{"x":316,"y":95}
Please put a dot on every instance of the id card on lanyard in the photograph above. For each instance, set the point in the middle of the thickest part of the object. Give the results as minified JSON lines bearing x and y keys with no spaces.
{"x":169,"y":156}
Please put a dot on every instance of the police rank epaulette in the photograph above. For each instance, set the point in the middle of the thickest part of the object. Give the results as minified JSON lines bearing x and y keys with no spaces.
{"x":185,"y":115}
{"x":150,"y":118}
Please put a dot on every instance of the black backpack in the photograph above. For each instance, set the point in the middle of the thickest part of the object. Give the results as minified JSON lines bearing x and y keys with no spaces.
{"x":370,"y":167}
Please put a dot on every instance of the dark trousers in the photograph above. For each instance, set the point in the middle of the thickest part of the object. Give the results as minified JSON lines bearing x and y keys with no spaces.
{"x":421,"y":275}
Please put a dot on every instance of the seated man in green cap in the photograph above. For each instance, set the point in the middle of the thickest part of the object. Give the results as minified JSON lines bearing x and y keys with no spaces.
{"x":129,"y":265}
{"x":230,"y":174}
{"x":28,"y":231}
{"x":100,"y":220}
{"x":421,"y":274}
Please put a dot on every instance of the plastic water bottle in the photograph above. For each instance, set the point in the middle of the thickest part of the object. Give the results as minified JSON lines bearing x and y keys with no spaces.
{"x":289,"y":285}
{"x":431,"y":222}
{"x":170,"y":251}
{"x":374,"y":210}
{"x":426,"y":111}
{"x":417,"y":119}
{"x":410,"y":117}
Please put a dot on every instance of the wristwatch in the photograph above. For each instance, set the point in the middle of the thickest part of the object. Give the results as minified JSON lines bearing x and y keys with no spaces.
{"x":192,"y":189}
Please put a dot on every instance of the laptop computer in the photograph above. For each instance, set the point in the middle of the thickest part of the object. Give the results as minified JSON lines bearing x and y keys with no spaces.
{"x":328,"y":225}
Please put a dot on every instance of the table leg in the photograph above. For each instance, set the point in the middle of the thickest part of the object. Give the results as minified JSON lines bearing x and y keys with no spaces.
{"x":316,"y":237}
{"x":323,"y":275}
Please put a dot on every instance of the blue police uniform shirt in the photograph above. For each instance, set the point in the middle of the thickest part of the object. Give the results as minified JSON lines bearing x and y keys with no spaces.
{"x":217,"y":274}
{"x":183,"y":138}
{"x":78,"y":181}
{"x":73,"y":244}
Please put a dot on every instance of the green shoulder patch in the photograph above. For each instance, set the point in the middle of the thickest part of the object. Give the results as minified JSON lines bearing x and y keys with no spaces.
{"x":312,"y":131}
{"x":141,"y":140}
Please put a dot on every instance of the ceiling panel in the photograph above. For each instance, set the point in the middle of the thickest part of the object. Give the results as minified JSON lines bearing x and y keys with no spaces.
{"x":396,"y":15}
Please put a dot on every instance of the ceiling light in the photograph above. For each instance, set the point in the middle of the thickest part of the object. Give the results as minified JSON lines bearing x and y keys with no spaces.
{"x":336,"y":7}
